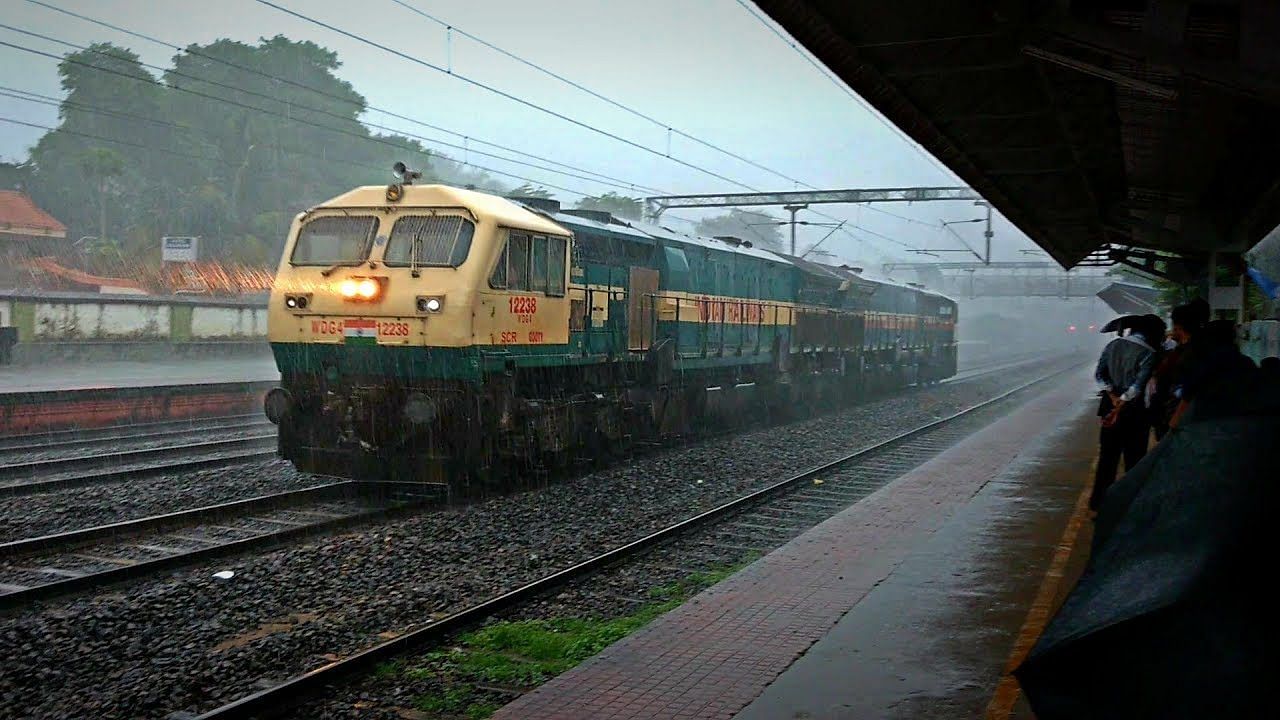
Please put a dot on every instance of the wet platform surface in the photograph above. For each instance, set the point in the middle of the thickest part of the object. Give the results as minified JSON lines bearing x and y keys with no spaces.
{"x":123,"y":374}
{"x":913,"y":603}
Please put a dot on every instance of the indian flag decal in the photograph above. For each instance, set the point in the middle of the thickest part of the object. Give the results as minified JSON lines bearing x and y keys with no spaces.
{"x":359,"y":330}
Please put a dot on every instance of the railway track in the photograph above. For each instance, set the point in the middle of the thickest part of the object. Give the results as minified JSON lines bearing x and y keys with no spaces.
{"x":62,"y":440}
{"x":753,"y":523}
{"x":18,"y":478}
{"x":39,"y":568}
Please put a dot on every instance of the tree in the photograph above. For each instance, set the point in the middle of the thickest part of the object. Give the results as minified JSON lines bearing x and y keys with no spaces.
{"x":232,"y":160}
{"x":615,"y":204}
{"x":15,"y":176}
{"x":761,"y":229}
{"x":101,"y":165}
{"x":528,"y":191}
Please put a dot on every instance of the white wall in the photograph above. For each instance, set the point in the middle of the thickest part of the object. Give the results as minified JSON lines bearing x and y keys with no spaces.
{"x":100,"y":321}
{"x":225,"y":322}
{"x":6,"y":312}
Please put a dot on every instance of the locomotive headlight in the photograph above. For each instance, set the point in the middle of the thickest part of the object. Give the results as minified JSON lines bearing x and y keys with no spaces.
{"x":430,"y":304}
{"x":360,"y":289}
{"x":290,"y":301}
{"x":367,"y":289}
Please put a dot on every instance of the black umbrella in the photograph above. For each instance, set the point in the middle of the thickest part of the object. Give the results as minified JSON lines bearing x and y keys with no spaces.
{"x":1170,"y":619}
{"x":1124,"y":322}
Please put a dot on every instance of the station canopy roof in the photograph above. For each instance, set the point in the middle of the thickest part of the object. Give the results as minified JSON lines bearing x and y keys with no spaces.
{"x":1130,"y":123}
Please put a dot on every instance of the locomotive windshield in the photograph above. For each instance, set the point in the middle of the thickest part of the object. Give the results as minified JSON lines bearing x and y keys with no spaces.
{"x":429,"y":240}
{"x":334,"y":241}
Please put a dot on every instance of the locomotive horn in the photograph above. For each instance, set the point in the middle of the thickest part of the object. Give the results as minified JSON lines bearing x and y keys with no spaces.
{"x":404,"y":174}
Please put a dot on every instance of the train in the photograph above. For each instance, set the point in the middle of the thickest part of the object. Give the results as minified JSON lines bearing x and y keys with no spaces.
{"x":434,"y":334}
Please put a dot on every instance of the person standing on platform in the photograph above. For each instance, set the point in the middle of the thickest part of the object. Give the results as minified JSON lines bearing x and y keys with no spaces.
{"x":1123,"y":369}
{"x":1187,"y":321}
{"x":1215,"y":369}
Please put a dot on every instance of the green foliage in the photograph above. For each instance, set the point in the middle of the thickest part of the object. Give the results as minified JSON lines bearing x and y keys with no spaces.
{"x":615,"y":204}
{"x":529,"y":191}
{"x":14,"y":176}
{"x":762,"y":230}
{"x":526,"y":653}
{"x":136,"y":157}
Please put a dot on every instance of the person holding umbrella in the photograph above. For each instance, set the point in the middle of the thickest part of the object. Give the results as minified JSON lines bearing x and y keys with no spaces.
{"x":1122,"y":372}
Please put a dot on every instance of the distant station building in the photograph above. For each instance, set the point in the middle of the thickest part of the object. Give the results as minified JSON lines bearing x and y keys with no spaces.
{"x":26,"y":232}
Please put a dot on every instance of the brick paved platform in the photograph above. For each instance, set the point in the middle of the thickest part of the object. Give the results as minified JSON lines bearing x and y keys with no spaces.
{"x":915,"y":597}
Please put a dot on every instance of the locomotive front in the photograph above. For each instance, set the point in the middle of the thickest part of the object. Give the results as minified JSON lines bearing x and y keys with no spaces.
{"x":383,"y":301}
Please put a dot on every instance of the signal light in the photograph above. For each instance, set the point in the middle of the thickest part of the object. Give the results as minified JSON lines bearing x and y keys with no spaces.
{"x":430,"y":304}
{"x":296,"y":302}
{"x":1071,"y":328}
{"x":291,"y":302}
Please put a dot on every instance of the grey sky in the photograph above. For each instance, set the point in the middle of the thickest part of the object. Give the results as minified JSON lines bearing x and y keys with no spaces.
{"x":704,"y":66}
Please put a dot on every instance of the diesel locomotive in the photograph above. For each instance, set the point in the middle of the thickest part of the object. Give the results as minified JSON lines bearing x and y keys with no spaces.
{"x":441,"y":335}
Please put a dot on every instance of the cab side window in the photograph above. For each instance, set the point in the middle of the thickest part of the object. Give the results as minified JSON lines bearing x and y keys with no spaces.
{"x":498,"y":280}
{"x":556,"y":249}
{"x":531,"y":263}
{"x":518,"y":262}
{"x":538,"y":265}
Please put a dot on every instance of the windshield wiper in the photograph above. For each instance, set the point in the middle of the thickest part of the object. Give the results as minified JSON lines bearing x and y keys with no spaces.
{"x":413,"y":253}
{"x":345,"y":263}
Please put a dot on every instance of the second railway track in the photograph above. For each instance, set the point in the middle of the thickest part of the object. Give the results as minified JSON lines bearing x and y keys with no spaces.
{"x":43,"y":567}
{"x":31,"y":477}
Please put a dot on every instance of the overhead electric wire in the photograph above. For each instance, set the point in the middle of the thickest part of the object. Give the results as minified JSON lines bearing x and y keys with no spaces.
{"x":117,"y":141}
{"x":320,"y":111}
{"x":904,"y":218}
{"x":884,"y":237}
{"x":32,"y":97}
{"x":19,"y":94}
{"x":822,"y":70}
{"x":638,"y":113}
{"x":593,"y":93}
{"x":503,"y":93}
{"x":621,"y":183}
{"x":228,"y":101}
{"x":522,"y":101}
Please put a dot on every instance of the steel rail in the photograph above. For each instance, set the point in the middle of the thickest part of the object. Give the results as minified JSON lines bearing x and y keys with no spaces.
{"x":34,"y":467}
{"x":17,"y":489}
{"x":128,"y":528}
{"x":86,"y":439}
{"x":276,"y":699}
{"x":101,"y":578}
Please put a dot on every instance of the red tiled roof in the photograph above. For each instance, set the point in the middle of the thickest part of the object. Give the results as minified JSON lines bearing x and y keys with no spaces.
{"x":18,"y":211}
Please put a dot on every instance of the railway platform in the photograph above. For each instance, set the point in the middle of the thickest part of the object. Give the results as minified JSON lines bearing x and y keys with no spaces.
{"x":81,"y":396}
{"x":132,"y":374}
{"x":916,"y":602}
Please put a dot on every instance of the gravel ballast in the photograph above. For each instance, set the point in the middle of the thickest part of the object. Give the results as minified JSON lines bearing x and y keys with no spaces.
{"x":109,"y":502}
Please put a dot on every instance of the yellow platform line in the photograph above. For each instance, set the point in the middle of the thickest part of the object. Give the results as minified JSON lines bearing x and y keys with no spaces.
{"x":1007,"y":691}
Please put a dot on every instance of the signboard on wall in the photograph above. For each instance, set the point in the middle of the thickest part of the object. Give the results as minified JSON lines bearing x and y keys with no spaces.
{"x":179,"y":249}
